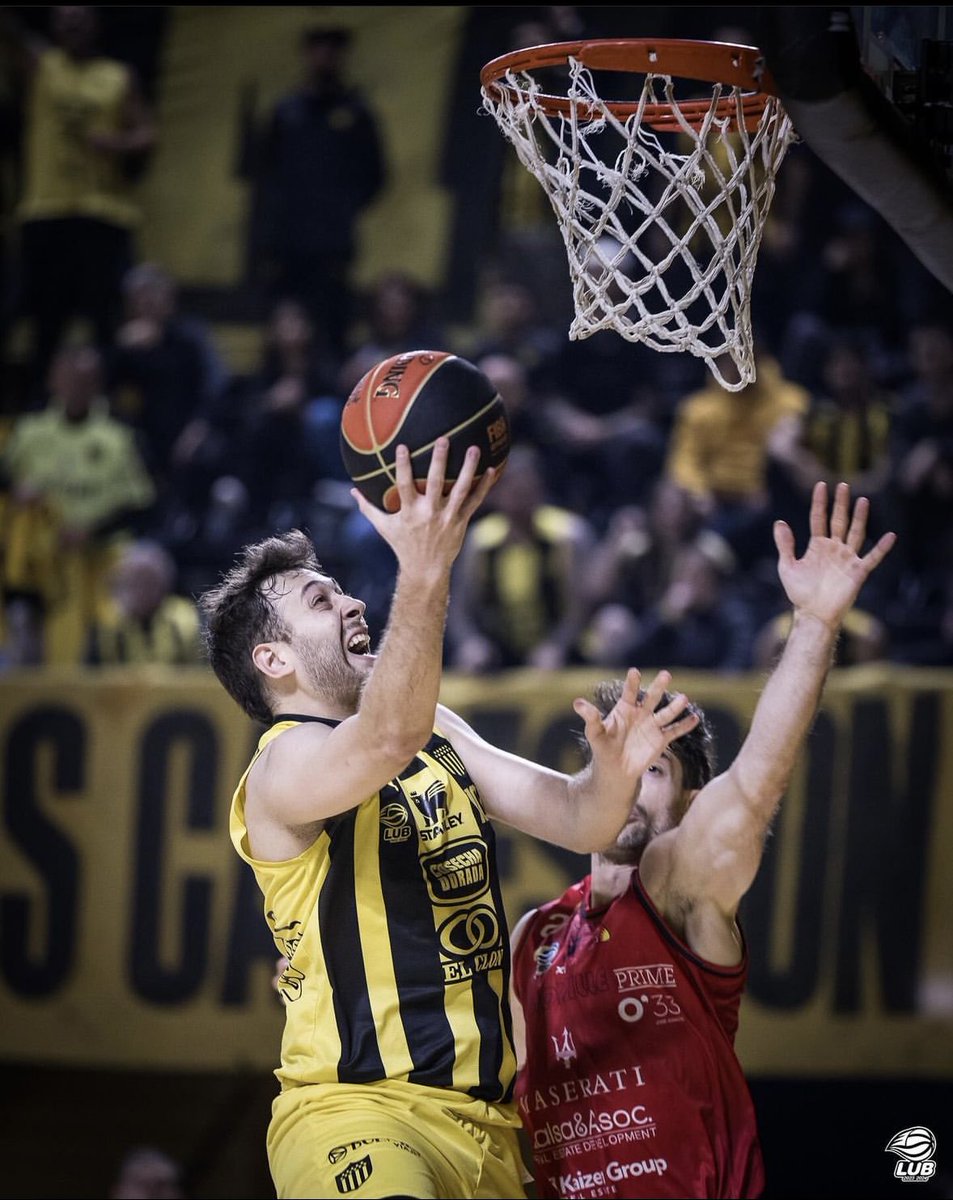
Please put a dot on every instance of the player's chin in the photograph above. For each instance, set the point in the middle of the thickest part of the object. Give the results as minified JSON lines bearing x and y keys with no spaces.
{"x":362,"y":662}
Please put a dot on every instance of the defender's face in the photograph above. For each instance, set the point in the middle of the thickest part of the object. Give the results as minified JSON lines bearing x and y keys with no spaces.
{"x":659,"y":808}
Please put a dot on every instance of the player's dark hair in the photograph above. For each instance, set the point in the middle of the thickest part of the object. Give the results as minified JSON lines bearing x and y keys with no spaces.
{"x":239,"y":614}
{"x":695,"y":750}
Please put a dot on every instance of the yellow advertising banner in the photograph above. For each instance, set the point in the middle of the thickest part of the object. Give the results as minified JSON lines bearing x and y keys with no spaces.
{"x":131,"y":935}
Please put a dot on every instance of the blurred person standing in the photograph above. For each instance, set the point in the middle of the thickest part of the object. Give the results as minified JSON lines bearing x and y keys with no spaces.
{"x":632,"y":566}
{"x":700,"y":621}
{"x":320,"y":163}
{"x":510,"y":325}
{"x":921,"y":449}
{"x":921,"y":486}
{"x":287,"y":435}
{"x":719,"y":452}
{"x":147,"y":1173}
{"x":844,"y":434}
{"x":76,"y":484}
{"x":517,"y":600}
{"x":145,"y":621}
{"x":87,"y":130}
{"x":165,"y":373}
{"x":396,"y":317}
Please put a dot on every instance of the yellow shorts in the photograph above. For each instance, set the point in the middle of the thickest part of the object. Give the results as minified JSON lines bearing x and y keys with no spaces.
{"x":389,"y":1138}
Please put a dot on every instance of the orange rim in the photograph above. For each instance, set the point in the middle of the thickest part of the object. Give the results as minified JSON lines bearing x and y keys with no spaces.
{"x":710,"y":62}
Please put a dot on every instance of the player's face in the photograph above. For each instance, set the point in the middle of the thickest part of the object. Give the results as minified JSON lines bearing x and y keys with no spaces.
{"x":328,"y":635}
{"x":658,"y":808}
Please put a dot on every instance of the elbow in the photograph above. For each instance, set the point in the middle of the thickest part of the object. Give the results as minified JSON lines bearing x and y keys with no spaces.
{"x":400,"y":745}
{"x":586,"y":839}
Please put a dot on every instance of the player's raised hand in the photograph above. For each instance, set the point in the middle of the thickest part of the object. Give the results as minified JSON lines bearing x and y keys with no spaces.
{"x":636,"y":731}
{"x":826,"y":580}
{"x":428,"y":528}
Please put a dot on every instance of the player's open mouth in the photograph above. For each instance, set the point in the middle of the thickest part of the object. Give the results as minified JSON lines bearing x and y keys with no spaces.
{"x":358,"y":643}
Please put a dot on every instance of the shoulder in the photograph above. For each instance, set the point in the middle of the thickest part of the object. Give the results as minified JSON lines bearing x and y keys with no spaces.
{"x":114,"y":71}
{"x":452,"y":727}
{"x":287,"y":741}
{"x":518,"y":935}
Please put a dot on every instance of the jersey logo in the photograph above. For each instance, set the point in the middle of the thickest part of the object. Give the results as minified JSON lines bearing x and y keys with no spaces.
{"x":544,"y":956}
{"x":432,"y":803}
{"x":287,"y":935}
{"x":448,"y":757}
{"x":357,"y":1173}
{"x":396,"y":821}
{"x":457,"y":873}
{"x":563,"y":1046}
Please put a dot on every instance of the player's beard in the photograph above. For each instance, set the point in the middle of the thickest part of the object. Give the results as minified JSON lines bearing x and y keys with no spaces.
{"x":330,"y":673}
{"x":627,"y":849}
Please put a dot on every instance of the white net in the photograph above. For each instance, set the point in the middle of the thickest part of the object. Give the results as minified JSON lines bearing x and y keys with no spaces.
{"x":661,"y":230}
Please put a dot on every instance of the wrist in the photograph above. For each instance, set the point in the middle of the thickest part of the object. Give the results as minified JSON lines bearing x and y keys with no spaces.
{"x":806,"y":619}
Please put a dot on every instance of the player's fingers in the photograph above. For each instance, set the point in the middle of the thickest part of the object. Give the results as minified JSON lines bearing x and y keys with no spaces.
{"x":437,"y":471}
{"x":674,"y":709}
{"x":819,"y":509}
{"x":841,"y":512}
{"x":784,"y":540}
{"x":592,"y":718}
{"x":630,"y":686}
{"x":858,"y":524}
{"x":404,"y":476}
{"x":653,"y":693}
{"x":677,"y":729}
{"x":463,"y":484}
{"x":479,"y":493}
{"x":879,"y":552}
{"x":370,"y":511}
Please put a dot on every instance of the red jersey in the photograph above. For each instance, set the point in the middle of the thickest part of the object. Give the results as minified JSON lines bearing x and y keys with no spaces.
{"x":631,"y":1086}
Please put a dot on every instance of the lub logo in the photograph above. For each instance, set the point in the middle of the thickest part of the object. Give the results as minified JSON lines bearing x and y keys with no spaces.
{"x":915,"y":1148}
{"x":395,"y":820}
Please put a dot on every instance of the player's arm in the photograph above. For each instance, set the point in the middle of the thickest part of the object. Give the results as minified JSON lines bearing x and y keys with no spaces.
{"x":712,"y":857}
{"x":313,"y":771}
{"x":582,"y":812}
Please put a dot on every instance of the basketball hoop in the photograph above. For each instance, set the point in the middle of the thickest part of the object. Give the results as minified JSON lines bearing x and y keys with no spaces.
{"x":662,"y":237}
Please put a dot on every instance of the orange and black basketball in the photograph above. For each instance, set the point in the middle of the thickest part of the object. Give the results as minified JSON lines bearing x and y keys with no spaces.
{"x":412,"y":399}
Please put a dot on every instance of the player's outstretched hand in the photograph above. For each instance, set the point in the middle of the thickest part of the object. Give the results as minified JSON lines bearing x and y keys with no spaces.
{"x":826,"y":580}
{"x":636,"y":731}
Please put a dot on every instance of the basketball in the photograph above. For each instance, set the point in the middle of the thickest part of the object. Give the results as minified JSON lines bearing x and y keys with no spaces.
{"x":412,"y":399}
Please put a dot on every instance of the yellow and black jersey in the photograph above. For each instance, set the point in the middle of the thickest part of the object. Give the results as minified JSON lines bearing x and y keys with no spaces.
{"x":394,"y":928}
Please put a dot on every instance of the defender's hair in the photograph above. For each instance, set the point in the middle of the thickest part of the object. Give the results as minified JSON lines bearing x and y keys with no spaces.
{"x":239,"y":615}
{"x":695,"y":750}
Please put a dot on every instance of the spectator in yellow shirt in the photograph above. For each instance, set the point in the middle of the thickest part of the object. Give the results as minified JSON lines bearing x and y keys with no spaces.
{"x":76,"y":484}
{"x":145,"y":621}
{"x":719,"y":452}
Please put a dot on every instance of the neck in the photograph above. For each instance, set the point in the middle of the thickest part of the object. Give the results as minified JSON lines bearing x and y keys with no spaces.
{"x":307,"y":705}
{"x":609,"y":880}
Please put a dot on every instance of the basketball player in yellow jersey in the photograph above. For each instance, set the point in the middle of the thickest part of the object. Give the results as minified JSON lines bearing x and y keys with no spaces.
{"x":366,"y":817}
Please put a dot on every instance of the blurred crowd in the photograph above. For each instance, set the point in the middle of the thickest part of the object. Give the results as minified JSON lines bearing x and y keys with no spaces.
{"x":634,"y":522}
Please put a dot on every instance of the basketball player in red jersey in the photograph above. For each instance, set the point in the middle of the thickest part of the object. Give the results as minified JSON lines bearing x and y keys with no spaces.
{"x":628,"y":986}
